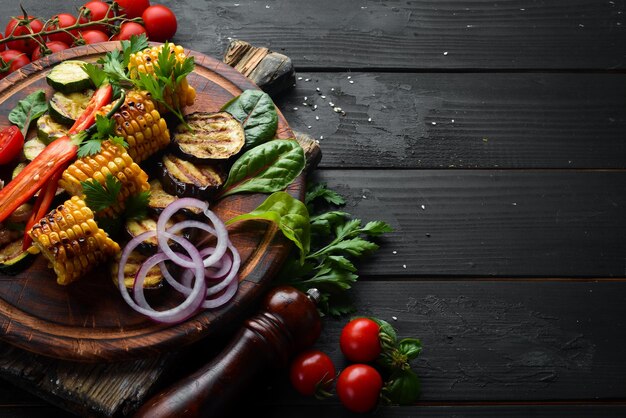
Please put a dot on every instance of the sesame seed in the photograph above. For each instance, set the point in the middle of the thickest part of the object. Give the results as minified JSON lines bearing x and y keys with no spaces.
{"x":331,"y":104}
{"x":305,"y":104}
{"x":364,"y":197}
{"x":445,"y":53}
{"x":395,"y":318}
{"x":349,"y":77}
{"x":321,"y":136}
{"x":434,"y":123}
{"x":314,"y":107}
{"x":307,"y":79}
{"x":305,"y":98}
{"x":581,"y":25}
{"x":317,"y":118}
{"x":452,"y":120}
{"x":267,"y":6}
{"x":404,"y":266}
{"x":299,"y":78}
{"x":369,"y":120}
{"x":323,"y":97}
{"x":343,"y":113}
{"x":317,"y":89}
{"x":423,"y":207}
{"x":337,"y":109}
{"x":332,"y":89}
{"x":395,"y":252}
{"x":295,"y":108}
{"x":351,"y":82}
{"x":309,"y":127}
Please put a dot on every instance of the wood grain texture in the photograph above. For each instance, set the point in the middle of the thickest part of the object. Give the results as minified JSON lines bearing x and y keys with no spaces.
{"x":487,"y":120}
{"x":89,"y":321}
{"x":486,"y":341}
{"x":540,"y":223}
{"x":476,"y":34}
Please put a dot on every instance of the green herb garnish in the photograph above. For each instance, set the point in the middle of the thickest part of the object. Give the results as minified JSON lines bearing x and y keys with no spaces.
{"x":100,"y":197}
{"x":137,"y":206}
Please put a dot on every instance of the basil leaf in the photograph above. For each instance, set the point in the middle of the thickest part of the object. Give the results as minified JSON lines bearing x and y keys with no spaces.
{"x":410,"y":347}
{"x":257,"y":113}
{"x":29,"y":109}
{"x":267,"y":168}
{"x":289,"y":214}
{"x":403,"y":387}
{"x":387,"y":334}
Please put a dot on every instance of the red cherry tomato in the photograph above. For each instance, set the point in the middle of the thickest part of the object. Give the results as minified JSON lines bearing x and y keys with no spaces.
{"x":127,"y":30}
{"x":11,"y":143}
{"x":54,"y":46}
{"x":359,"y":340}
{"x":2,"y":46}
{"x":160,"y":23}
{"x":133,"y":8}
{"x":96,"y":10}
{"x":11,"y":61}
{"x":358,"y":387}
{"x":93,"y":37}
{"x":310,"y":371}
{"x":25,"y":45}
{"x":65,"y":20}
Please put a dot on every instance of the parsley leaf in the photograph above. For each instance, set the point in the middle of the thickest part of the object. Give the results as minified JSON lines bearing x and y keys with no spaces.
{"x":98,"y":75}
{"x":336,"y":238}
{"x":99,"y":197}
{"x":89,"y":147}
{"x":136,"y":44}
{"x":137,"y":206}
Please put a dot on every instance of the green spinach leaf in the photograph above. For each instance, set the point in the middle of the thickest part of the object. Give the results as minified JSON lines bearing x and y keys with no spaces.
{"x":267,"y":168}
{"x":257,"y":113}
{"x":28,"y":110}
{"x":289,"y":214}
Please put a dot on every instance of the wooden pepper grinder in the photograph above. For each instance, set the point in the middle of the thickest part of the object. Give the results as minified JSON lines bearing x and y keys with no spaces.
{"x":288,"y":322}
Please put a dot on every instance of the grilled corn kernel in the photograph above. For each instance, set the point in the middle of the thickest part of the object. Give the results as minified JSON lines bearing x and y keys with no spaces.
{"x":72,"y":241}
{"x":111,"y":160}
{"x":141,"y":125}
{"x":144,"y":62}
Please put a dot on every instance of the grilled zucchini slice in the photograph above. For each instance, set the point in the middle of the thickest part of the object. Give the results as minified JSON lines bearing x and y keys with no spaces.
{"x":69,"y":77}
{"x":159,"y":199}
{"x":66,"y":108}
{"x":134,"y":263}
{"x":48,"y":129}
{"x":214,"y":136}
{"x":185,"y":179}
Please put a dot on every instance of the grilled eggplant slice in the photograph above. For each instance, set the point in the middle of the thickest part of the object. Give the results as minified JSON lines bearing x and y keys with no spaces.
{"x":159,"y":199}
{"x":214,"y":136}
{"x":134,"y":263}
{"x":185,"y":179}
{"x":135,"y":228}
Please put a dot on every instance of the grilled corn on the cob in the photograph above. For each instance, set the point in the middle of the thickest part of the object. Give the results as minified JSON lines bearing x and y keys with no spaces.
{"x":144,"y":61}
{"x":111,"y":160}
{"x":71,"y":240}
{"x":141,"y":125}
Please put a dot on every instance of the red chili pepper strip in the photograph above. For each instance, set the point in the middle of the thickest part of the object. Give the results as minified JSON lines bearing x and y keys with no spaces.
{"x":35,"y":175}
{"x":42,"y":205}
{"x":46,"y":164}
{"x":100,"y":98}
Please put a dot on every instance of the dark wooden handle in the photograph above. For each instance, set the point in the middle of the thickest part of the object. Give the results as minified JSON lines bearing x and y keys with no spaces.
{"x":288,"y":322}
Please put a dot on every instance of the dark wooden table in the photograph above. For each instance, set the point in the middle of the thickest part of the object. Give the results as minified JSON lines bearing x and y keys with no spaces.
{"x":492,"y":136}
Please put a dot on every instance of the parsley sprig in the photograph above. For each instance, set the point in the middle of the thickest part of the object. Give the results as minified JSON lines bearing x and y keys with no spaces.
{"x":105,"y":130}
{"x":336,"y":239}
{"x":100,"y":197}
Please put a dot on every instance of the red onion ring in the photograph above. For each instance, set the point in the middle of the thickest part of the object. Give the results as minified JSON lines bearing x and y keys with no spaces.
{"x":219,"y":267}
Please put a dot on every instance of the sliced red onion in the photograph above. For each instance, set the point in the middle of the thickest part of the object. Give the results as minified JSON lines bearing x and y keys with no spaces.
{"x":223,"y":298}
{"x":176,"y":314}
{"x":220,"y":233}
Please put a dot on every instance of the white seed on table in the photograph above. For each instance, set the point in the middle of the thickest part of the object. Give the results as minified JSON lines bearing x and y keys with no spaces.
{"x":321,"y":136}
{"x":295,"y":108}
{"x":317,"y":118}
{"x":337,"y":109}
{"x":309,"y":127}
{"x":349,"y":77}
{"x":395,"y":318}
{"x":351,"y":82}
{"x":423,"y":207}
{"x":305,"y":98}
{"x":331,"y":104}
{"x":434,"y":123}
{"x":369,"y":119}
{"x":299,"y":78}
{"x":305,"y":104}
{"x":332,"y":89}
{"x":307,"y":79}
{"x":314,"y":107}
{"x":317,"y":89}
{"x":394,"y":252}
{"x":323,"y":97}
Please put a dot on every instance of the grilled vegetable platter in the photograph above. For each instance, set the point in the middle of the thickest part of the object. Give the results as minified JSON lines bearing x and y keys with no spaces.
{"x":125,"y":213}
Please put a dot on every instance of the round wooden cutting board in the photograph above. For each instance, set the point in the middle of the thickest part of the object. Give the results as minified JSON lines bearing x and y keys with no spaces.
{"x":88,"y":320}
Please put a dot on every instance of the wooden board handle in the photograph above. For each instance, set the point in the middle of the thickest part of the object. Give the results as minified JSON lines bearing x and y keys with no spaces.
{"x":287,"y":323}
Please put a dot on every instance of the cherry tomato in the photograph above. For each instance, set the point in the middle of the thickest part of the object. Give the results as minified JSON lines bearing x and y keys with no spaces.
{"x":127,"y":30}
{"x":359,"y":340}
{"x":54,"y":46}
{"x":133,"y":8}
{"x":65,"y":20}
{"x":11,"y":61}
{"x":358,"y":387}
{"x":25,"y":45}
{"x":2,"y":46}
{"x":160,"y":23}
{"x":96,"y":10}
{"x":310,"y":371}
{"x":11,"y":143}
{"x":92,"y":37}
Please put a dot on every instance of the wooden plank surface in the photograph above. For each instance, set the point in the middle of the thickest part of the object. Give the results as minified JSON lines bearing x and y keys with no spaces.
{"x":394,"y":34}
{"x":487,"y":120}
{"x":509,"y":223}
